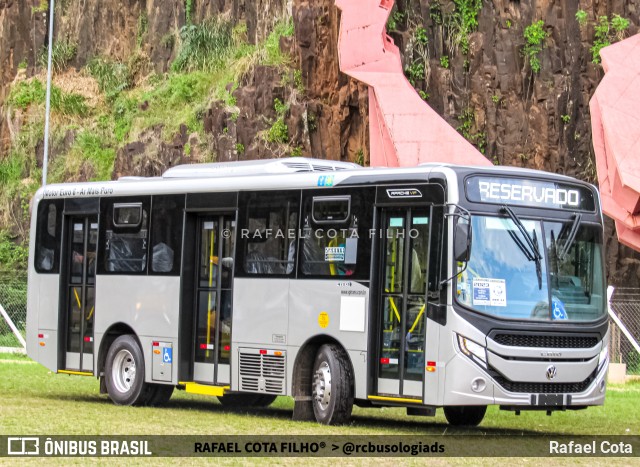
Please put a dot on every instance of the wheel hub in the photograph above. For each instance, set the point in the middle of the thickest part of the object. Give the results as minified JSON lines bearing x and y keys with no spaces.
{"x":123,"y":371}
{"x":322,"y":386}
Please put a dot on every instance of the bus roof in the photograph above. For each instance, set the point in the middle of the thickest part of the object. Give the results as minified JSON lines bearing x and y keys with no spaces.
{"x":266,"y":174}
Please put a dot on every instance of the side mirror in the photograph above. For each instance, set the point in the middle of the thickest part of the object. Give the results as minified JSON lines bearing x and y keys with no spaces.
{"x":462,"y":241}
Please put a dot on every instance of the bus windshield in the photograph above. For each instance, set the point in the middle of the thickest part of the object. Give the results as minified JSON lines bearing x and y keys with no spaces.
{"x":538,"y":270}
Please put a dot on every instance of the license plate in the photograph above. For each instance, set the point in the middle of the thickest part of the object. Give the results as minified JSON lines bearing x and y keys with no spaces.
{"x":549,"y":400}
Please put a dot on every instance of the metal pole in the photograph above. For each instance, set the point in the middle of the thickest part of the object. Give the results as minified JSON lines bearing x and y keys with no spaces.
{"x":45,"y":159}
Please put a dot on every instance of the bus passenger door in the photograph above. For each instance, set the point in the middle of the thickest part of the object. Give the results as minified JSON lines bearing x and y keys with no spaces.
{"x":80,"y":278}
{"x":402,"y":310}
{"x":214,"y":292}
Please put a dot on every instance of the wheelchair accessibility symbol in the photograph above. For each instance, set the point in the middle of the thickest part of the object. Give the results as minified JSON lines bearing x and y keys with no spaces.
{"x":558,"y":310}
{"x":167,"y":356}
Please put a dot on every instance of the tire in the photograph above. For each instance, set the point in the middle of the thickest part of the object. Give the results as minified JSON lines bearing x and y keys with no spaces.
{"x":470,"y":415}
{"x":332,"y":386}
{"x":160,"y":394}
{"x":247,"y":400}
{"x":124,"y":373}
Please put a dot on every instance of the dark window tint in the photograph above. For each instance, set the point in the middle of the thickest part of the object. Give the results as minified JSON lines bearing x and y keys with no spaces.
{"x":127,"y":215}
{"x":166,"y":234}
{"x":336,"y":236}
{"x":126,"y":235}
{"x":47,"y":254}
{"x":268,"y":232}
{"x":331,"y":209}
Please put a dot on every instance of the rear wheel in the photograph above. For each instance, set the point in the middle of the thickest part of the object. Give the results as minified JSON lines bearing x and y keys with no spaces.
{"x":332,"y":386}
{"x":470,"y":415}
{"x":124,"y":373}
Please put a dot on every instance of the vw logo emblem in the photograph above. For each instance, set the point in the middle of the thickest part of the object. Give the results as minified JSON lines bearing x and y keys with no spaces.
{"x":551,"y":372}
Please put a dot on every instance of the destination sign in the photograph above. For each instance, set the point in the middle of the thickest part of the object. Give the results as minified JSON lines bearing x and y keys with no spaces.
{"x":534,"y":193}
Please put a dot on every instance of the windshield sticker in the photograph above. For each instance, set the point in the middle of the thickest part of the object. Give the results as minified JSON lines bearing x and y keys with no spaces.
{"x":334,"y":253}
{"x":489,"y":292}
{"x":559,"y":311}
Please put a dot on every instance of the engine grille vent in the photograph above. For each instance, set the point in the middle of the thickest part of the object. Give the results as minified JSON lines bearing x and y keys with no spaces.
{"x":559,"y":341}
{"x":262,"y":372}
{"x":545,"y":388}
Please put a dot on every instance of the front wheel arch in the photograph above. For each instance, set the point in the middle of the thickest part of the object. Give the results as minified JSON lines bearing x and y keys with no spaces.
{"x":303,"y":366}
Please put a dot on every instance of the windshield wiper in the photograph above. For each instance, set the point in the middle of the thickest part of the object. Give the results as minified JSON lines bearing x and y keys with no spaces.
{"x":530,"y":246}
{"x":568,"y":243}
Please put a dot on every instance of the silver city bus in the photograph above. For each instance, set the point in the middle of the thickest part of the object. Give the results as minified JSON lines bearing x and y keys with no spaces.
{"x":425,"y":287}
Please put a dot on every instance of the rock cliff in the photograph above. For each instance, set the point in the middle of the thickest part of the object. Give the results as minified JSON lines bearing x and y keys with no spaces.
{"x":469,"y":59}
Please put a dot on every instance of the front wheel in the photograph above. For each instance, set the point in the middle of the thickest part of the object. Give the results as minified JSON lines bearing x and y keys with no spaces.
{"x":332,"y":386}
{"x":124,"y":373}
{"x":470,"y":415}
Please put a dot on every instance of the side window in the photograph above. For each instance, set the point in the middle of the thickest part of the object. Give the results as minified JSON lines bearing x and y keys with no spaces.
{"x":48,"y":228}
{"x":126,"y":235}
{"x":166,"y":234}
{"x":268,"y":232}
{"x":335,"y":234}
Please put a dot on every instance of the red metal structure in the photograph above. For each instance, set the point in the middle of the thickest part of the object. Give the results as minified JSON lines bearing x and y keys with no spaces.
{"x":404,"y":130}
{"x":615,"y":121}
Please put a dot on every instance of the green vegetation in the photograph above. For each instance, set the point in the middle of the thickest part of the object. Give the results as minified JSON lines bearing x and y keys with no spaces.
{"x":61,"y":54}
{"x":495,"y":98}
{"x":396,"y":19}
{"x":272,"y":44}
{"x":279,"y":132}
{"x":444,"y":61}
{"x":42,"y":7}
{"x":534,"y":36}
{"x":39,"y":402}
{"x":478,"y":139}
{"x":240,"y":148}
{"x":188,"y":11}
{"x":565,"y":118}
{"x":606,"y":33}
{"x":31,"y":92}
{"x":296,"y":152}
{"x":464,"y":21}
{"x":23,"y":64}
{"x":205,"y":46}
{"x":581,"y":17}
{"x":213,"y":59}
{"x":414,"y":72}
{"x":143,"y":26}
{"x":417,"y":70}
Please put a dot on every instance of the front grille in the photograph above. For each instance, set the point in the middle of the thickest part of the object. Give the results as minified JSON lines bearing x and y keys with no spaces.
{"x":559,"y":341}
{"x":262,"y":372}
{"x":545,"y":388}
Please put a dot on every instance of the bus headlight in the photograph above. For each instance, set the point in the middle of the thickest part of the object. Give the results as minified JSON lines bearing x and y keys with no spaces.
{"x":474,"y":351}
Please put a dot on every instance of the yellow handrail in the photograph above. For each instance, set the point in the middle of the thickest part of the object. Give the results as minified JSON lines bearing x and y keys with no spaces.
{"x":415,"y":323}
{"x":211,"y":262}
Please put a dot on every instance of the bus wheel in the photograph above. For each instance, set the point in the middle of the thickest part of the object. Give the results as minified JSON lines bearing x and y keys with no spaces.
{"x":160,"y":394}
{"x":124,"y":373}
{"x":470,"y":415}
{"x":332,"y":388}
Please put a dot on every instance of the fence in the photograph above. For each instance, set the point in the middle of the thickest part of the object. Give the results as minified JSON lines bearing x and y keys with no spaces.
{"x":13,"y":298}
{"x":625,"y":303}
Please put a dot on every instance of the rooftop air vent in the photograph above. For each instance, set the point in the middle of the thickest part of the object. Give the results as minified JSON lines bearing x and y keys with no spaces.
{"x":258,"y":167}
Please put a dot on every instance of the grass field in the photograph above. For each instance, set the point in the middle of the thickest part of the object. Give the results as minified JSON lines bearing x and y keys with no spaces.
{"x":37,"y":402}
